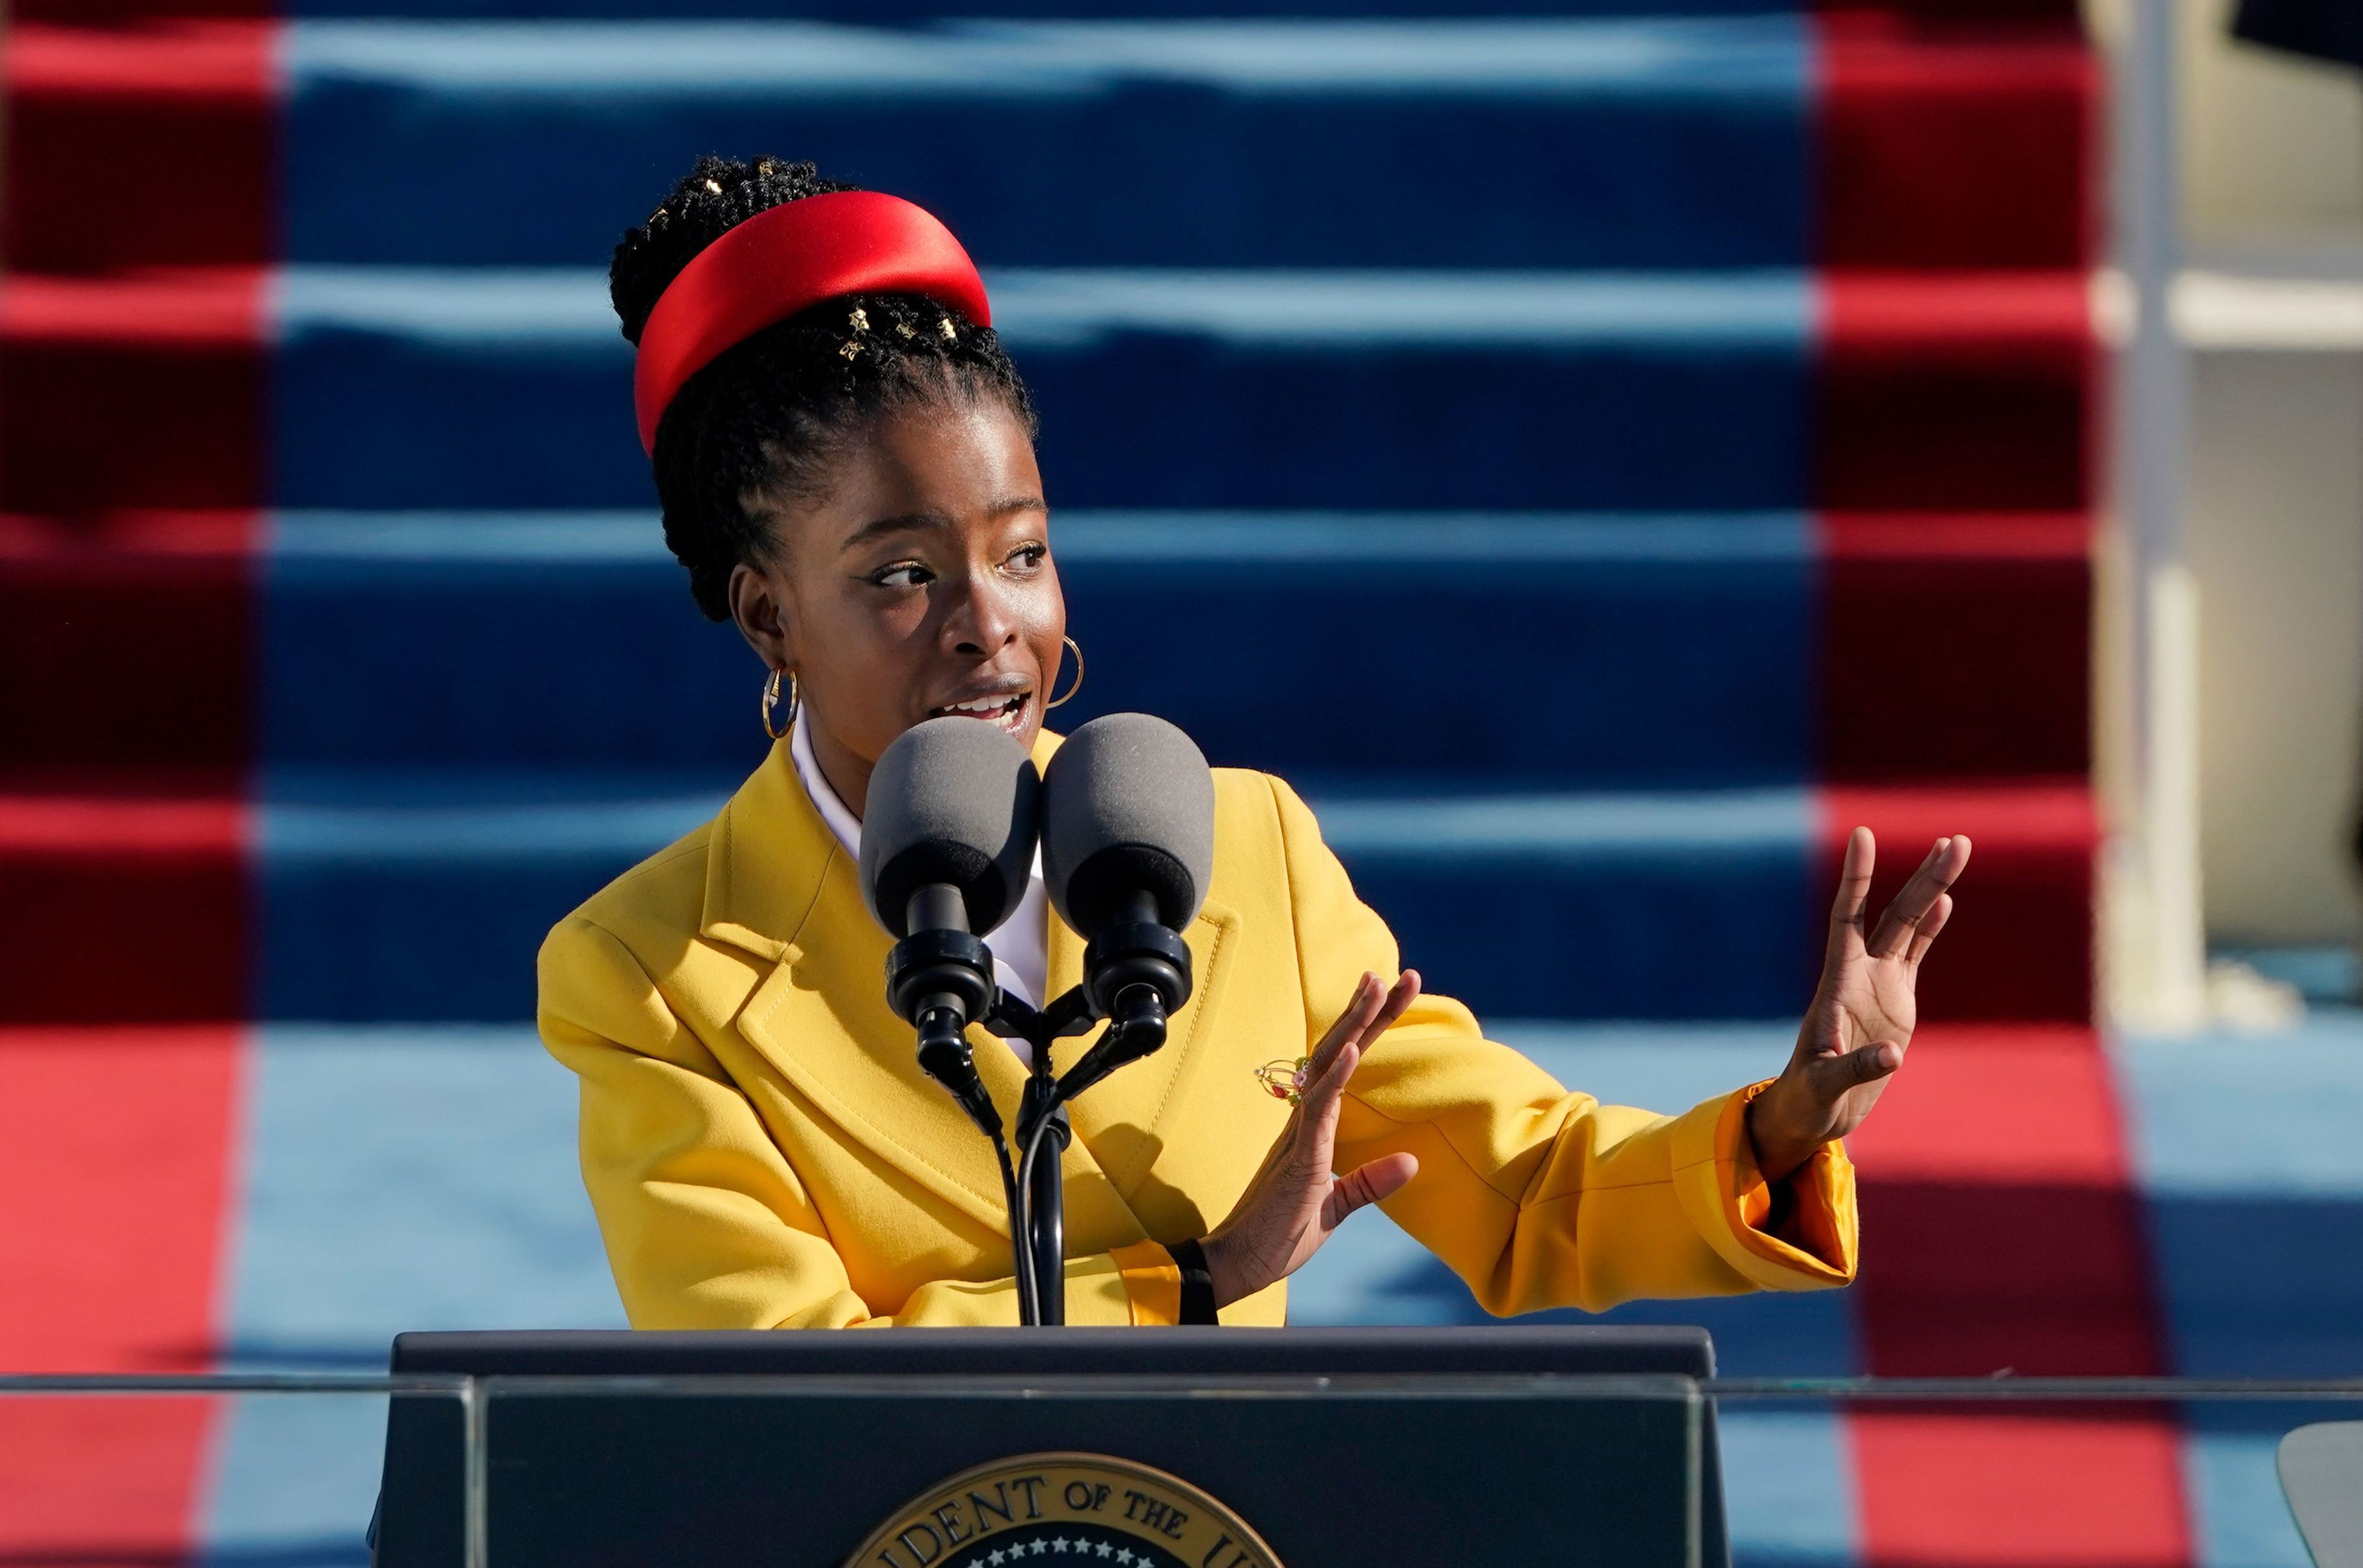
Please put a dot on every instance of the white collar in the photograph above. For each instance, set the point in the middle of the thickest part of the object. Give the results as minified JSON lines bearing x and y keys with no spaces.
{"x":841,"y":821}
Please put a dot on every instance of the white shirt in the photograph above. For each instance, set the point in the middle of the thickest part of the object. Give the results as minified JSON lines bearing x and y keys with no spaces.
{"x":1021,"y":955}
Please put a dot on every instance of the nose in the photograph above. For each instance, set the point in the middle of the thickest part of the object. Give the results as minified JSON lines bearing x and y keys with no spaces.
{"x":981,"y":620}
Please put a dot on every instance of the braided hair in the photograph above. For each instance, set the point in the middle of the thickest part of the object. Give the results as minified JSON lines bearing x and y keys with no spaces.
{"x":769,"y":416}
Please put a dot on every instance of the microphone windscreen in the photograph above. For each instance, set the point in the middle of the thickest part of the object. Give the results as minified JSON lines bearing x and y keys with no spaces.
{"x":953,"y":801}
{"x":1129,"y":808}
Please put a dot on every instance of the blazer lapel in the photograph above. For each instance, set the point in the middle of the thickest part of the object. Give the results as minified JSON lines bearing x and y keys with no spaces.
{"x":1135,"y":1114}
{"x":779,"y":884}
{"x":766,"y":860}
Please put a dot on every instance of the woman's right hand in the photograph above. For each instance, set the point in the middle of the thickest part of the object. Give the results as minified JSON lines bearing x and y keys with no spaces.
{"x":1296,"y":1203}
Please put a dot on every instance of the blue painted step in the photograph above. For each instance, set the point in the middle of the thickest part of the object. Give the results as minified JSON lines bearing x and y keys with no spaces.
{"x":1556,"y":651}
{"x":1640,"y":142}
{"x":439,"y":390}
{"x":401,"y":897}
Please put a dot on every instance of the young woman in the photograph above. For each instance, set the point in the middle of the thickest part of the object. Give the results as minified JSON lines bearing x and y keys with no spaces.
{"x":845,"y":461}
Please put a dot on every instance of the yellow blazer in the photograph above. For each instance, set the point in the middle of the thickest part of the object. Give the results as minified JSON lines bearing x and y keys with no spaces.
{"x":763,"y":1152}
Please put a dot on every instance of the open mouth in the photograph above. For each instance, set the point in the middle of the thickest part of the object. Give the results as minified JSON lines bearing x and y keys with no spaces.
{"x":1009,"y":712}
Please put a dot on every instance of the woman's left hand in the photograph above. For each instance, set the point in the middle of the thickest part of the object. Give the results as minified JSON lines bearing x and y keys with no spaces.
{"x":1855,"y":1035}
{"x":1295,"y":1204}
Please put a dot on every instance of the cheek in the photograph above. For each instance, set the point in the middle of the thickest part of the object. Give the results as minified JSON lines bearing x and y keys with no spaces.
{"x":859,"y":658}
{"x":1045,"y":622}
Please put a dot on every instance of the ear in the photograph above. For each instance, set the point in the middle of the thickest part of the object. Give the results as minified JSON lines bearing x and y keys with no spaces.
{"x":760,"y":614}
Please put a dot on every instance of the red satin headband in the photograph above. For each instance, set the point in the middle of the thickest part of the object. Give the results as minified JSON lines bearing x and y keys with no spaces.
{"x":785,"y":259}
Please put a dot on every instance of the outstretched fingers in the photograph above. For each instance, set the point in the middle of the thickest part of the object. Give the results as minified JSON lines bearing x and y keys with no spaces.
{"x":1846,"y":909}
{"x":1313,"y":1138}
{"x":1369,"y":1012}
{"x":1917,"y":901}
{"x":1370,"y":1016}
{"x":1400,"y":996}
{"x":1360,"y":1009}
{"x":1924,"y":935}
{"x":1854,"y":878}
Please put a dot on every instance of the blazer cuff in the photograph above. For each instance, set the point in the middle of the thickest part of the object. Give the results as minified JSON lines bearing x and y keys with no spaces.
{"x":1152,"y":1284}
{"x":1726,"y":1199}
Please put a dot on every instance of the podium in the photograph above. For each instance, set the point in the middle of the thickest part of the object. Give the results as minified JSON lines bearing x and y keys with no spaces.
{"x":1209,"y":1447}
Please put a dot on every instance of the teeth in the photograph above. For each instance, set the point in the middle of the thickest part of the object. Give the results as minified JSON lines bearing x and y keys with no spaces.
{"x":987,"y":707}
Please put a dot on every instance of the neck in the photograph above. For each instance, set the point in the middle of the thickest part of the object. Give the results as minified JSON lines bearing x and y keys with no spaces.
{"x":848,"y":774}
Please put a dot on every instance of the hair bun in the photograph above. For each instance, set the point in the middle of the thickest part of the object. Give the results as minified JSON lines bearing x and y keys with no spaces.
{"x":714,"y":196}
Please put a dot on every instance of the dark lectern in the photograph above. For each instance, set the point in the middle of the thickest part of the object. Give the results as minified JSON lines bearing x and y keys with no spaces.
{"x":946,"y":1448}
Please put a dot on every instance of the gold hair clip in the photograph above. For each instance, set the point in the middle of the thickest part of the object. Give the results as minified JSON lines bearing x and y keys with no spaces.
{"x":860,"y":318}
{"x":714,"y":187}
{"x":904,"y":328}
{"x":850,"y":350}
{"x":951,"y":333}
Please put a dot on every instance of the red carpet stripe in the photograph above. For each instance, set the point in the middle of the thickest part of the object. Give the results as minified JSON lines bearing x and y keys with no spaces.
{"x":125,"y":907}
{"x":114,"y":1148}
{"x":2002,"y":1233}
{"x":191,"y":105}
{"x":1963,"y":391}
{"x":1942,"y":1489}
{"x":74,"y":600}
{"x":1955,"y":646}
{"x":152,"y":393}
{"x":2001,"y":1230}
{"x":144,"y":152}
{"x":1951,"y":147}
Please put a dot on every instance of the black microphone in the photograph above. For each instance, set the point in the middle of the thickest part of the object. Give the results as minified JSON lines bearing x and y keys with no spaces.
{"x":946,"y":849}
{"x":1128,"y":847}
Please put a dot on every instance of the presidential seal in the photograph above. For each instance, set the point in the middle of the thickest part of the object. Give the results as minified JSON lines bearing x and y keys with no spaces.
{"x":1063,"y":1510}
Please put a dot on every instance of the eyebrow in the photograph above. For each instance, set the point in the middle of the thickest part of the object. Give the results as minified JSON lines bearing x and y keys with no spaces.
{"x":907,"y":523}
{"x":918,"y":521}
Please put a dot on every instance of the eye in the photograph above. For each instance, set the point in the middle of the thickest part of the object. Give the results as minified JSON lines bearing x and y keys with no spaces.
{"x":1029,"y":556}
{"x":902,"y":574}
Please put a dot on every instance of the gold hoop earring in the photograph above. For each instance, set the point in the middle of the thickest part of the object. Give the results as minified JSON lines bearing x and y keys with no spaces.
{"x":772,"y":701}
{"x":1077,"y":686}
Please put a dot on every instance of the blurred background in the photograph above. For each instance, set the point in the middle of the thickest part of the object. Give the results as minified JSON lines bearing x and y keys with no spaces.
{"x":1607,"y":449}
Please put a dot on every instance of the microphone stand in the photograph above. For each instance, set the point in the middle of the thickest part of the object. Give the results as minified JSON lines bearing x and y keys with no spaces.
{"x":1132,"y":972}
{"x":938,"y":977}
{"x":1038,"y":1223}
